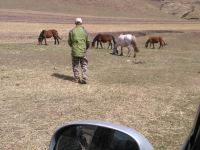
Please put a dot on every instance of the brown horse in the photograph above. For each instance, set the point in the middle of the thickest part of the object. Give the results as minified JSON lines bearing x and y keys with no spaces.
{"x":154,"y":39}
{"x":48,"y":34}
{"x":99,"y":38}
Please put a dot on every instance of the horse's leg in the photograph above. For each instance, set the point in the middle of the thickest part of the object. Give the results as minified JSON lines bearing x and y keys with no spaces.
{"x":54,"y":40}
{"x":129,"y":50}
{"x":160,"y":44}
{"x":121,"y":51}
{"x":101,"y":44}
{"x":153,"y":46}
{"x":150,"y":44}
{"x":45,"y":40}
{"x":108,"y":45}
{"x":97,"y":44}
{"x":58,"y":41}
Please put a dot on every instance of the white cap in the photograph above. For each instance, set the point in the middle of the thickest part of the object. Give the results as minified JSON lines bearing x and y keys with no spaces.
{"x":78,"y":20}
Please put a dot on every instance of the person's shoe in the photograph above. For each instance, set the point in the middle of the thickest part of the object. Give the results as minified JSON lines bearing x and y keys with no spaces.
{"x":76,"y":80}
{"x":84,"y":81}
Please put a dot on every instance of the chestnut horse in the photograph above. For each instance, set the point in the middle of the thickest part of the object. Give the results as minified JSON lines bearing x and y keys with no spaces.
{"x":48,"y":34}
{"x":126,"y":40}
{"x":99,"y":38}
{"x":155,"y":39}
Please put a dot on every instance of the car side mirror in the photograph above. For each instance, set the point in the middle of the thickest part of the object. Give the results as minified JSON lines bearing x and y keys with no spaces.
{"x":96,"y":135}
{"x":193,"y":140}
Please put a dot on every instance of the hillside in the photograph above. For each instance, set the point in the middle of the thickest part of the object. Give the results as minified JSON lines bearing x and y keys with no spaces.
{"x":156,"y":9}
{"x":187,"y":9}
{"x":102,"y":8}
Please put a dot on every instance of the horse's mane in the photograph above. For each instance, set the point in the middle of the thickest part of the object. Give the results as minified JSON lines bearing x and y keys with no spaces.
{"x":95,"y":38}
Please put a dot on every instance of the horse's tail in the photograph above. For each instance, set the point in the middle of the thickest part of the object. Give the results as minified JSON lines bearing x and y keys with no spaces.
{"x":59,"y":37}
{"x":135,"y":46}
{"x":164,"y":42}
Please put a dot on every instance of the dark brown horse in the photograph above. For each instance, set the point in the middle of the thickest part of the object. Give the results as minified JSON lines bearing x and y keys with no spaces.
{"x":155,"y":39}
{"x":99,"y":38}
{"x":48,"y":34}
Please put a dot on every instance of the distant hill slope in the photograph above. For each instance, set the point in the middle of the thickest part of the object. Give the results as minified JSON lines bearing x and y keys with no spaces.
{"x":187,"y":9}
{"x":102,"y":8}
{"x":156,"y":9}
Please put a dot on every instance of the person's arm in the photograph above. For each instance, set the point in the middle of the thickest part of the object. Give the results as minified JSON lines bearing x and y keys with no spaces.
{"x":87,"y":43}
{"x":70,"y":39}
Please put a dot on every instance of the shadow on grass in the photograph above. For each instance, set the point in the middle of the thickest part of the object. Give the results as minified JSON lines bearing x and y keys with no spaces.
{"x":138,"y":62}
{"x":62,"y":76}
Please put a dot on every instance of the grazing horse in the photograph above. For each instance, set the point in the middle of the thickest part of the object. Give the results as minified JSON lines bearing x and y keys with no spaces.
{"x":126,"y":40}
{"x":154,"y":39}
{"x":99,"y":38}
{"x":48,"y":34}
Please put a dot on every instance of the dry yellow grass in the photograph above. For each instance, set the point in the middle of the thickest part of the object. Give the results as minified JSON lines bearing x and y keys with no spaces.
{"x":157,"y":97}
{"x":28,"y":32}
{"x":35,"y":27}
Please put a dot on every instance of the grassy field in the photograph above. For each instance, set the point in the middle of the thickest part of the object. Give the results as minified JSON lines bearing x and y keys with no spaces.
{"x":22,"y":32}
{"x":157,"y":94}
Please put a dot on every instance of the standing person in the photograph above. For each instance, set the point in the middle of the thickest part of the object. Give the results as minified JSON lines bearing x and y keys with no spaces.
{"x":79,"y":42}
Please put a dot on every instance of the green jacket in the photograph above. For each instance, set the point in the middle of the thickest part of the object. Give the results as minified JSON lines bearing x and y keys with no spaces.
{"x":78,"y":40}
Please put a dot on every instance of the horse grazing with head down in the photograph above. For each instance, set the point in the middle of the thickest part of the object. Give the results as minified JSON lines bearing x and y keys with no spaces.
{"x":155,"y":39}
{"x":48,"y":34}
{"x":99,"y":38}
{"x":126,"y":40}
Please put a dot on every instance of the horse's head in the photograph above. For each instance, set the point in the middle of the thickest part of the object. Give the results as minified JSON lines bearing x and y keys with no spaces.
{"x":40,"y":39}
{"x":115,"y":51}
{"x":93,"y":44}
{"x":147,"y":43}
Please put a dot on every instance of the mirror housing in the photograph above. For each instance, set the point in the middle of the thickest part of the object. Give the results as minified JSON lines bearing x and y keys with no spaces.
{"x":193,"y":140}
{"x":98,"y":135}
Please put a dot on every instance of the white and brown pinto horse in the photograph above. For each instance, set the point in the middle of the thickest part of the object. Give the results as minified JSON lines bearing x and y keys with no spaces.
{"x":126,"y":40}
